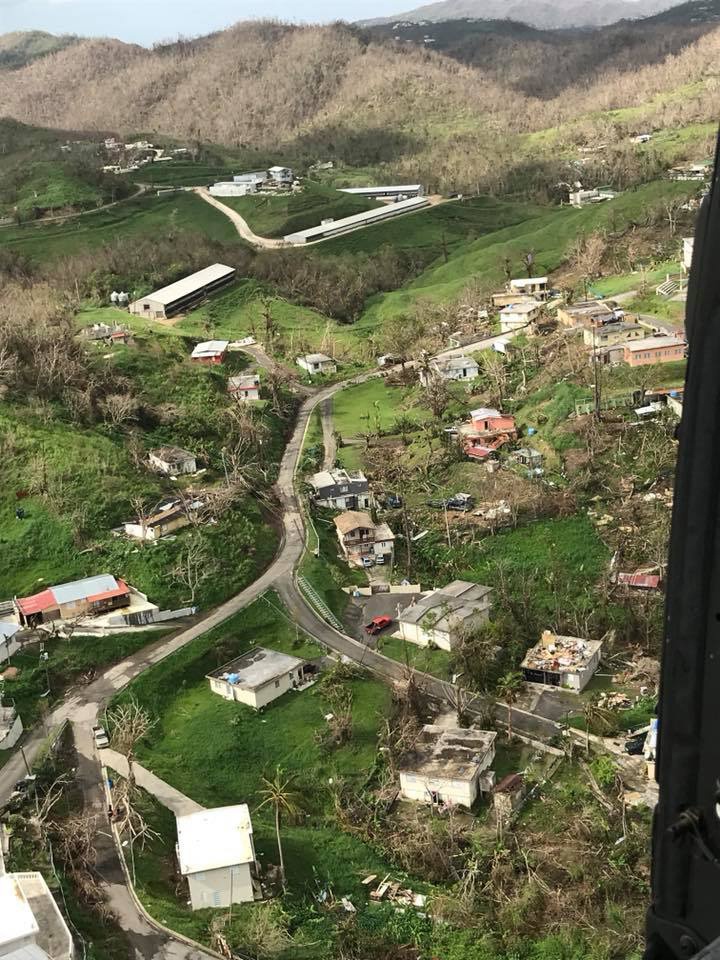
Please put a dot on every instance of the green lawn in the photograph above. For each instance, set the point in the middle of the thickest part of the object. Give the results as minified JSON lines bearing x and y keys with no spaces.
{"x":655,"y":274}
{"x":276,"y":216}
{"x":374,"y":406}
{"x":425,"y":659}
{"x":143,"y":215}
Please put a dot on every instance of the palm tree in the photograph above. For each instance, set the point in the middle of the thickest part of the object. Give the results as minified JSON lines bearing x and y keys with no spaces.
{"x":278,"y":793}
{"x":507,"y":689}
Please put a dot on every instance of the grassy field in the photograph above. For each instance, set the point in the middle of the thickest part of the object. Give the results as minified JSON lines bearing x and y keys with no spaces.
{"x":425,"y":659}
{"x":275,"y":216}
{"x":142,"y":215}
{"x":373,"y":406}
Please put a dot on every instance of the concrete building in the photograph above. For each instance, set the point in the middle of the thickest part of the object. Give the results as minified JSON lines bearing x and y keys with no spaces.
{"x":341,"y":490}
{"x":610,"y":334}
{"x":364,"y":542}
{"x":400,"y":191}
{"x":209,"y":351}
{"x":508,"y":795}
{"x":487,"y":431}
{"x":245,"y":387}
{"x":183,"y":295}
{"x":505,"y":299}
{"x":440,"y":617}
{"x":9,"y":642}
{"x":11,"y":728}
{"x":226,"y":188}
{"x":31,"y":925}
{"x":579,"y":198}
{"x":519,"y":316}
{"x":687,"y":253}
{"x":316,"y":363}
{"x":640,"y":353}
{"x":585,"y":313}
{"x":165,"y":518}
{"x":450,"y":368}
{"x":216,"y":853}
{"x":80,"y":598}
{"x":256,"y":178}
{"x":530,"y":286}
{"x":258,"y":677}
{"x":172,"y":460}
{"x":448,"y":765}
{"x":566,"y":662}
{"x":334,"y":228}
{"x":282,"y":175}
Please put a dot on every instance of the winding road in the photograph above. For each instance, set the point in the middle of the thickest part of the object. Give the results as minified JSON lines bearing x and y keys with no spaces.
{"x":241,"y":225}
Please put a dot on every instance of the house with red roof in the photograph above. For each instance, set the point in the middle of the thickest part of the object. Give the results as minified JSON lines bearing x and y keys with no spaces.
{"x":80,"y":598}
{"x":487,"y":431}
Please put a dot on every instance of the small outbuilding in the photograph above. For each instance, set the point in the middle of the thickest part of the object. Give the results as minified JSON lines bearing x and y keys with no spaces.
{"x":172,"y":460}
{"x":259,"y":676}
{"x":317,"y":363}
{"x":216,"y":853}
{"x":245,"y":387}
{"x":210,"y":351}
{"x":448,"y":765}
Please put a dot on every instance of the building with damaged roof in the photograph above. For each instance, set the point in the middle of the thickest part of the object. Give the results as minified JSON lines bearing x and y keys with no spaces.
{"x":557,"y":661}
{"x":448,"y":765}
{"x":438,"y":618}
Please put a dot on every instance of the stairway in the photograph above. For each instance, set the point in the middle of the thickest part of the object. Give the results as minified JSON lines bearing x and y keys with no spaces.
{"x":311,"y":594}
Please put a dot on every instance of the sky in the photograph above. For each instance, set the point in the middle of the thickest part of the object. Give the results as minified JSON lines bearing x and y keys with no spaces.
{"x":151,"y":21}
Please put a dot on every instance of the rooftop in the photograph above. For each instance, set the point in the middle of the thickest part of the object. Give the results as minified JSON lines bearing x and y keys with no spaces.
{"x":336,"y":478}
{"x":256,"y":668}
{"x":211,"y":839}
{"x":91,"y":588}
{"x":188,"y":285}
{"x":588,"y":306}
{"x":352,"y":519}
{"x":526,"y":306}
{"x":245,"y":381}
{"x":451,"y":753}
{"x":18,"y":919}
{"x":457,"y":601}
{"x":558,"y":654}
{"x":210,"y":348}
{"x":8,"y":629}
{"x":316,"y":358}
{"x":28,"y":908}
{"x":653,"y":343}
{"x":528,"y":282}
{"x":456,"y":363}
{"x":172,"y":454}
{"x":356,"y":219}
{"x":485,"y":413}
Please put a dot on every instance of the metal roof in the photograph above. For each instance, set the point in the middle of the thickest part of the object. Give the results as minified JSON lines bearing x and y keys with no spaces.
{"x":357,"y":220}
{"x":256,"y":668}
{"x":457,"y":601}
{"x":81,"y":589}
{"x":210,"y":348}
{"x":485,"y":413}
{"x":212,"y":839}
{"x":316,"y":358}
{"x":653,"y":343}
{"x":394,"y":188}
{"x":8,"y":629}
{"x":189,"y":285}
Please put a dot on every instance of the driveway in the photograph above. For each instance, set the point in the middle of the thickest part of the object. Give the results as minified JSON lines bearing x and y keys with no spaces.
{"x":241,"y":225}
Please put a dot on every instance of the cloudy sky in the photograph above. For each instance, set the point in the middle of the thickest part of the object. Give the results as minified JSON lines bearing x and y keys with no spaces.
{"x":148,"y":21}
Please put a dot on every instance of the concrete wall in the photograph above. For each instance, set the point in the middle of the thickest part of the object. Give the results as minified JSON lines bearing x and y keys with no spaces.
{"x":211,"y":888}
{"x":147,"y":307}
{"x":445,"y":639}
{"x":260,"y":697}
{"x":420,"y":788}
{"x":8,"y":648}
{"x":13,"y":735}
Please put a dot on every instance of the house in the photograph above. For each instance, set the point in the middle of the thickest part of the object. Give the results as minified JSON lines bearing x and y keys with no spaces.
{"x":9,"y":642}
{"x":258,"y":677}
{"x":183,"y":295}
{"x":227,"y":188}
{"x":364,"y":542}
{"x":579,"y":198}
{"x":113,"y":333}
{"x":687,"y":253}
{"x":172,"y":460}
{"x":566,"y":662}
{"x":316,"y":363}
{"x":640,"y":581}
{"x":440,"y":617}
{"x":505,"y":299}
{"x":448,"y":765}
{"x":609,"y":356}
{"x":390,"y":360}
{"x":216,"y":853}
{"x":282,"y":175}
{"x":528,"y":457}
{"x":532,"y":286}
{"x":610,"y":334}
{"x":518,"y":316}
{"x":450,"y":368}
{"x":639,"y":353}
{"x":165,"y":518}
{"x":31,"y":925}
{"x":508,"y":794}
{"x":487,"y":431}
{"x":586,"y":313}
{"x":244,"y":387}
{"x":341,"y":490}
{"x":209,"y":351}
{"x":11,"y":728}
{"x":88,"y":597}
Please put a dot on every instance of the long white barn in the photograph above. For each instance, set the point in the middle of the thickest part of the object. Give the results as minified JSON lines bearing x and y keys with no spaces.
{"x":401,"y":190}
{"x":346,"y":224}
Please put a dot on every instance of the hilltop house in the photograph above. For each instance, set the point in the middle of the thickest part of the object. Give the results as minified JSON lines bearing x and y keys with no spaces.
{"x":567,"y":662}
{"x":316,"y":363}
{"x":487,"y":431}
{"x":639,"y":353}
{"x":281,"y":175}
{"x":519,"y":316}
{"x":610,"y":334}
{"x":245,"y":387}
{"x":258,"y":677}
{"x":88,"y":597}
{"x":450,"y":368}
{"x":439,"y":617}
{"x":533,"y":286}
{"x":210,"y":351}
{"x":165,"y":518}
{"x":341,"y":490}
{"x":585,"y":313}
{"x":216,"y":853}
{"x":172,"y":460}
{"x":362,"y":541}
{"x":183,"y":295}
{"x":448,"y":765}
{"x":31,"y":925}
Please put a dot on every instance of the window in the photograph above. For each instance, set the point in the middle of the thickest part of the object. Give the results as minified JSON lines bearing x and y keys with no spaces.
{"x":277,"y":683}
{"x":216,"y":898}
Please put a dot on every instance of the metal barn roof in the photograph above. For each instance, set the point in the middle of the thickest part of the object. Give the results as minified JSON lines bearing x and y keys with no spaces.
{"x":357,"y":220}
{"x":189,"y":285}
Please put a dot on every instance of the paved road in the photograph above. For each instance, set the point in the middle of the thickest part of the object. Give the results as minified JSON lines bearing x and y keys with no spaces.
{"x":328,"y":428}
{"x":167,"y":795}
{"x":241,"y":225}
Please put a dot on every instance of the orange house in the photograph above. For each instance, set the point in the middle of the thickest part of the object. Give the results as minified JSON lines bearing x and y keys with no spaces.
{"x":640,"y":353}
{"x":487,"y":431}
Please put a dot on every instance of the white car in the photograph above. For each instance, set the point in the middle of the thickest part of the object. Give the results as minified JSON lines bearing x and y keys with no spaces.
{"x":101,"y":738}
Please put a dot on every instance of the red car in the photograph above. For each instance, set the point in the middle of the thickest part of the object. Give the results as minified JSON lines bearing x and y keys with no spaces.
{"x":377,"y":624}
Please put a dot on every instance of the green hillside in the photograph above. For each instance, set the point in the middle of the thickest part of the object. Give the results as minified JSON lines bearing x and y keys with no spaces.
{"x":22,"y":47}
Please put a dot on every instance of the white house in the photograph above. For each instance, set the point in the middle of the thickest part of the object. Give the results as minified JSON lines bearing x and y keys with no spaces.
{"x":439,"y":617}
{"x":451,"y":368}
{"x":316,"y":363}
{"x":567,"y":662}
{"x":448,"y":765}
{"x":165,"y":518}
{"x":31,"y":925}
{"x":8,"y":639}
{"x":533,"y":286}
{"x":281,"y":174}
{"x":225,"y":188}
{"x":216,"y":853}
{"x":172,"y":460}
{"x":518,"y":316}
{"x":245,"y":387}
{"x":362,"y":541}
{"x":341,"y":490}
{"x":258,"y":677}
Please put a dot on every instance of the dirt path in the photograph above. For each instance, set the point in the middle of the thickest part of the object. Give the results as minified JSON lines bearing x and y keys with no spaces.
{"x":79,"y":213}
{"x":241,"y":225}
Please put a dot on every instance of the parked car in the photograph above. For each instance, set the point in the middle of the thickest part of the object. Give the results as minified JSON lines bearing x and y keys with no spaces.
{"x":461,"y":503}
{"x":380,"y":559}
{"x":393,"y":501}
{"x":368,"y":561}
{"x":101,"y":738}
{"x":377,"y":624}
